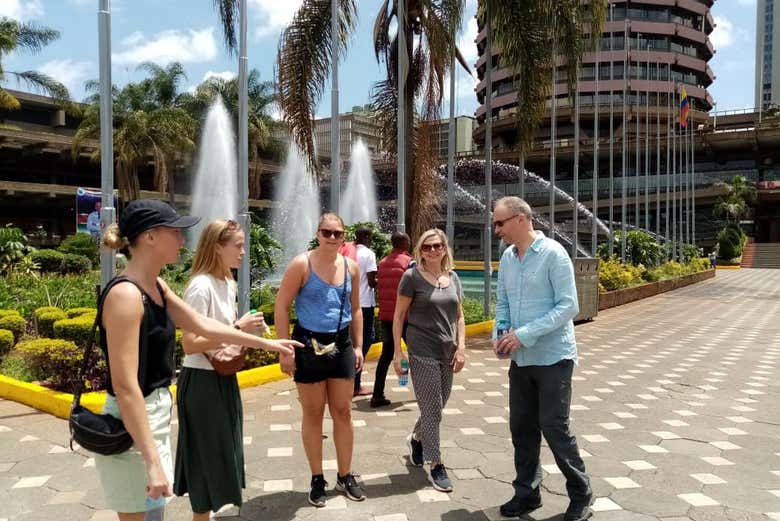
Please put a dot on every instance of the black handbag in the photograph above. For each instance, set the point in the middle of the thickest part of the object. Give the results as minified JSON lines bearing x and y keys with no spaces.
{"x":102,"y":433}
{"x":320,"y":351}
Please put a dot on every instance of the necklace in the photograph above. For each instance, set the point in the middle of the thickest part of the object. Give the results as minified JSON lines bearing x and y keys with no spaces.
{"x":437,"y":277}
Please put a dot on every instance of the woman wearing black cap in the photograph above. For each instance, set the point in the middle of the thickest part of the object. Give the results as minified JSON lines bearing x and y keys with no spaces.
{"x":137,"y":336}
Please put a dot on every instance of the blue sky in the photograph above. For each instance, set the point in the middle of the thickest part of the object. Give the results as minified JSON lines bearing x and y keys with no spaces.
{"x":188,"y":31}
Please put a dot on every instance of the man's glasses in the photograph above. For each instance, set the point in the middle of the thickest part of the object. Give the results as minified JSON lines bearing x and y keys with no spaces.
{"x":500,"y":223}
{"x":320,"y":349}
{"x":432,"y":247}
{"x":336,"y":234}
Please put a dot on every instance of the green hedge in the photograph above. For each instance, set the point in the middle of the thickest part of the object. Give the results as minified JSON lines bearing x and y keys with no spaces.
{"x":14,"y":323}
{"x":73,"y":263}
{"x":76,"y":312}
{"x":48,"y":260}
{"x":44,"y":309}
{"x":6,"y":312}
{"x":81,"y":244}
{"x":44,"y":324}
{"x":28,"y":293}
{"x":76,"y":329}
{"x":56,"y":362}
{"x":6,"y":341}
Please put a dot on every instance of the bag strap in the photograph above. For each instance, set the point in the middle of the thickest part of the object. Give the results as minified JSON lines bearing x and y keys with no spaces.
{"x":91,"y":344}
{"x":343,"y":294}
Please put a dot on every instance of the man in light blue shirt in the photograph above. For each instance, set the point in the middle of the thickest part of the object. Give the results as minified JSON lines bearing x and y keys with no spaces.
{"x":537,"y":300}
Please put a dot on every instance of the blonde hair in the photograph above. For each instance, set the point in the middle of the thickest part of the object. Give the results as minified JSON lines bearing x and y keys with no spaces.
{"x":330,"y":216}
{"x":206,"y":259}
{"x":112,"y":238}
{"x":446,"y":260}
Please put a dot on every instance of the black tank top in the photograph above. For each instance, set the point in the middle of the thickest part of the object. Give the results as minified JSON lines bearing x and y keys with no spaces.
{"x":156,"y":346}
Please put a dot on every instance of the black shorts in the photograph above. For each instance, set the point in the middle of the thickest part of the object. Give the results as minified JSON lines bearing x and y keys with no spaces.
{"x":343,"y":366}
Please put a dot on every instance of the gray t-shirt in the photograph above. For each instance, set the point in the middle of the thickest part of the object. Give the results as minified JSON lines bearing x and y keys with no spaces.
{"x":433,"y":315}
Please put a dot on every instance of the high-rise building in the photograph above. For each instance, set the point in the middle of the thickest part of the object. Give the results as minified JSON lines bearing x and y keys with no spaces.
{"x":464,"y":140}
{"x":767,"y":62}
{"x":661,"y":46}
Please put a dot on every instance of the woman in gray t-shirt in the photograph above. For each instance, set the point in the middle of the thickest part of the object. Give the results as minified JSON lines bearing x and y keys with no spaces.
{"x":429,"y":300}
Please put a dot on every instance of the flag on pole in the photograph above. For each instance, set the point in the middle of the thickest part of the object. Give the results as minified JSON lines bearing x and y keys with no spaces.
{"x":684,"y":108}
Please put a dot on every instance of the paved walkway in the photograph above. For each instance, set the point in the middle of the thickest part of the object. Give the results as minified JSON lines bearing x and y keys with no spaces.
{"x":675,"y":409}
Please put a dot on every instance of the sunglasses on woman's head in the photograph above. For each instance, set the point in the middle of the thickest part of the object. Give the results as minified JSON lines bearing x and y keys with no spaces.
{"x":432,"y":247}
{"x":336,"y":234}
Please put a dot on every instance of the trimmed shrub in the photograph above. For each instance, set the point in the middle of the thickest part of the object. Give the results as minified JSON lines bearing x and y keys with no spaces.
{"x":259,"y":358}
{"x":15,"y":366}
{"x":179,"y":351}
{"x":81,"y":244}
{"x":699,"y":264}
{"x":48,"y":260}
{"x":44,"y":325}
{"x":73,"y":263}
{"x":473,"y":310}
{"x":56,"y":362}
{"x":6,"y":312}
{"x":48,"y":289}
{"x":730,"y":243}
{"x":14,"y":323}
{"x":6,"y":341}
{"x":77,"y":329}
{"x":44,"y":309}
{"x":76,"y":312}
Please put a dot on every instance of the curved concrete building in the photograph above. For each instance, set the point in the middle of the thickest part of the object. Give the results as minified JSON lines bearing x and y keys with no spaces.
{"x":664,"y":42}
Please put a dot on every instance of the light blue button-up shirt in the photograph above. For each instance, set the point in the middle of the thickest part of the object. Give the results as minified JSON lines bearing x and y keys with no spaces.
{"x":537,"y":298}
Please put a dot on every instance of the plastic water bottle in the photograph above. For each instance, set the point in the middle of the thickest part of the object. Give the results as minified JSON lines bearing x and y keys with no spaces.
{"x":264,"y":329}
{"x":155,"y":509}
{"x":403,"y":378}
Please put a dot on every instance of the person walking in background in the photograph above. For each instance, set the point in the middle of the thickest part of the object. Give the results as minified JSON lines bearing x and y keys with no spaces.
{"x":137,"y":337}
{"x":93,"y":222}
{"x":327,"y":303}
{"x":366,"y":262}
{"x":536,"y":302}
{"x":430,"y":299}
{"x":210,"y":447}
{"x":389,"y":273}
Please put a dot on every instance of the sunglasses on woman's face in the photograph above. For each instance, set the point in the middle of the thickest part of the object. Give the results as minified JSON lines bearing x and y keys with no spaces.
{"x":320,"y":349}
{"x":437,"y":246}
{"x":336,"y":234}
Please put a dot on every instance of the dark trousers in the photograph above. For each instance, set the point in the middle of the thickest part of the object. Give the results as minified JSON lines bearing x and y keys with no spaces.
{"x":368,"y":337}
{"x":388,"y":349}
{"x":539,"y":400}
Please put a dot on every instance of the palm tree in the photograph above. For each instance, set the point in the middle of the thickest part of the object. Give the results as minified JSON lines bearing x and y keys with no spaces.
{"x":20,"y":36}
{"x":523,"y":33}
{"x":304,"y":63}
{"x":739,"y":198}
{"x":148,"y":119}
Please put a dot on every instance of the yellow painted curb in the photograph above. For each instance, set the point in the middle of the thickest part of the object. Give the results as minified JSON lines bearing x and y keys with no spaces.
{"x":58,"y":403}
{"x":728,"y":267}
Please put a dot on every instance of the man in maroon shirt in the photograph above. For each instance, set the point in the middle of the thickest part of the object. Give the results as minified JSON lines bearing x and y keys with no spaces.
{"x":389,"y":273}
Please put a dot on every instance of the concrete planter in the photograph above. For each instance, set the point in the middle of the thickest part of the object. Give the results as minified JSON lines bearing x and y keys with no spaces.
{"x":619,"y":297}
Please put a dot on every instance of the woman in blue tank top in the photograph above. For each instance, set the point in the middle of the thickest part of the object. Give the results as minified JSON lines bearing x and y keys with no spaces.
{"x":327,"y":305}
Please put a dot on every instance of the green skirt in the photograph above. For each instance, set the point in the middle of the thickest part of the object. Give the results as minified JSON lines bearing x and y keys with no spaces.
{"x":210,"y":447}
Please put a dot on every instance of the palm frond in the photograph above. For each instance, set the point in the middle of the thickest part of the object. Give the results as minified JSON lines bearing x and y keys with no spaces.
{"x":43,"y":83}
{"x":229,"y":17}
{"x":303,"y":65}
{"x":26,"y":36}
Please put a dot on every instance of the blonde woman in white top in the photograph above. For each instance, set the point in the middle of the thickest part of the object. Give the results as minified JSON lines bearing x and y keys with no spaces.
{"x":209,"y":453}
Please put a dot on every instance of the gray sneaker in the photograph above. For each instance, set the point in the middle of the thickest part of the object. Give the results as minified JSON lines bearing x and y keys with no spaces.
{"x":415,"y":451}
{"x":439,"y":479}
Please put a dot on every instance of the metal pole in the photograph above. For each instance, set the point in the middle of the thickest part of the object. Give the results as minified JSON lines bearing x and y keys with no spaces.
{"x":335,"y":117}
{"x":576,"y":188}
{"x":669,"y":118}
{"x":451,"y":154}
{"x":402,"y":68}
{"x":595,"y":189}
{"x":686,"y":182}
{"x":674,"y":173}
{"x":521,"y":163}
{"x":107,"y":212}
{"x":488,"y":257}
{"x":658,"y":152}
{"x":553,"y":133}
{"x":243,"y":159}
{"x":611,"y":133}
{"x":693,"y":183}
{"x":647,"y":143}
{"x":638,"y":143}
{"x":623,"y":183}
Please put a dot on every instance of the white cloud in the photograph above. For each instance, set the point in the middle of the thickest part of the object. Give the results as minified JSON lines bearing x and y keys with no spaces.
{"x":189,"y":46}
{"x":723,"y":35}
{"x":70,"y":73}
{"x":466,"y":44}
{"x":23,"y":10}
{"x":225,"y":75}
{"x":273,"y":16}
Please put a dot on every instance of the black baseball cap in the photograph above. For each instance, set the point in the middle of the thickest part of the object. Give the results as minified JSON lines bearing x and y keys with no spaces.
{"x":144,"y":214}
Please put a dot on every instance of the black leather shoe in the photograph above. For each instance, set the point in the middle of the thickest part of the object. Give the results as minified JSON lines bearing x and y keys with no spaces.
{"x":516,"y":507}
{"x":579,"y":510}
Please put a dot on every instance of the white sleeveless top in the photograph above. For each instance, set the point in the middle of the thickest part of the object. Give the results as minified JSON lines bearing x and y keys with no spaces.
{"x":213,"y":298}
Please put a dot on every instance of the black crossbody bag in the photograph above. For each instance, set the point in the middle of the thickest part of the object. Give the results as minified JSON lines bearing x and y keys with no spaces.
{"x":103,"y":433}
{"x":321,"y":351}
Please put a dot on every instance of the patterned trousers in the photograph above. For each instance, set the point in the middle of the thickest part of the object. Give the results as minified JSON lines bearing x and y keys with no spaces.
{"x":432,"y":381}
